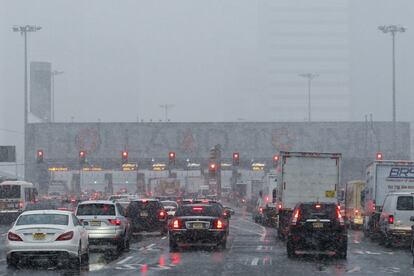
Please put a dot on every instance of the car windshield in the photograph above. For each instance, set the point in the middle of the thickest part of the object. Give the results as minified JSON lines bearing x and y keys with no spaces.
{"x":317,"y":211}
{"x":35,"y":219}
{"x":198,"y":210}
{"x":96,"y":209}
{"x":405,"y":203}
{"x":169,"y":204}
{"x":9,"y":191}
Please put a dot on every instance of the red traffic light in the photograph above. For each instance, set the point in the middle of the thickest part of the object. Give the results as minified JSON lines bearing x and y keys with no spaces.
{"x":379,"y":156}
{"x":276,"y":158}
{"x":171,"y":155}
{"x":212,"y":166}
{"x":40,"y":153}
{"x":236,"y":155}
{"x":124,"y":154}
{"x":82,"y":154}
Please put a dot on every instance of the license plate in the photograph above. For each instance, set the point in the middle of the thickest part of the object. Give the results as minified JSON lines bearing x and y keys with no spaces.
{"x":197,"y":225}
{"x":39,"y":236}
{"x":95,"y":223}
{"x":317,"y":225}
{"x":144,"y":214}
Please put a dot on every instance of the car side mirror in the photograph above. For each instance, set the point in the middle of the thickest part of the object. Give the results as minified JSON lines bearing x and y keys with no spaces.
{"x":412,"y":218}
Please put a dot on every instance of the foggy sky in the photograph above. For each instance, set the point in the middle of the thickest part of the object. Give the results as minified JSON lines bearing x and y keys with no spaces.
{"x":122,"y":59}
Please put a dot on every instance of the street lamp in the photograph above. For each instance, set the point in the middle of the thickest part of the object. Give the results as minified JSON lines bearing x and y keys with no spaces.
{"x":23,"y":30}
{"x":53,"y":74}
{"x":310,"y":77}
{"x":393,"y":29}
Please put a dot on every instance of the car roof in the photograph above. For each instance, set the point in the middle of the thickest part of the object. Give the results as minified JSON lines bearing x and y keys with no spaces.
{"x":34,"y":212}
{"x":402,"y":193}
{"x":145,"y":199}
{"x":97,"y":201}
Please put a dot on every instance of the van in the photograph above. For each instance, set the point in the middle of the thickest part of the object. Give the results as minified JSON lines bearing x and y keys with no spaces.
{"x":397,"y":217}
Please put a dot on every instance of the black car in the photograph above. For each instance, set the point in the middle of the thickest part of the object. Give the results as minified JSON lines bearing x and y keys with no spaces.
{"x":198,"y":225}
{"x":147,"y":215}
{"x":319,"y":227}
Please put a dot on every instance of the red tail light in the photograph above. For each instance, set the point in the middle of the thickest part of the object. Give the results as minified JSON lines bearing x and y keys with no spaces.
{"x":279,"y":206}
{"x":21,"y":205}
{"x":13,"y":237}
{"x":339,"y":217}
{"x":115,"y":221}
{"x":390,"y":219}
{"x":197,"y":209}
{"x":317,"y":206}
{"x":65,"y":236}
{"x":161,"y":215}
{"x":176,"y":224}
{"x":260,"y":210}
{"x":296,"y":216}
{"x":219,"y":224}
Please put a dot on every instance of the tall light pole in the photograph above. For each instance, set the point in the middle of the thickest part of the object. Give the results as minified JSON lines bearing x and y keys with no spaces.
{"x":310,"y":77}
{"x":393,"y":29}
{"x":166,"y":107}
{"x":53,"y":74}
{"x":23,"y":30}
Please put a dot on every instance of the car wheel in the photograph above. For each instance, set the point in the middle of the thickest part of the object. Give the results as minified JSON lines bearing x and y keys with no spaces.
{"x":127,"y":244}
{"x":173,"y":246}
{"x":222,"y":244}
{"x":11,"y":263}
{"x":76,"y":262}
{"x":290,"y":248}
{"x":85,"y":258}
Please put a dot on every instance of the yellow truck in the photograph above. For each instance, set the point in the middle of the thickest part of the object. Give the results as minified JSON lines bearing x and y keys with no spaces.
{"x":353,"y":208}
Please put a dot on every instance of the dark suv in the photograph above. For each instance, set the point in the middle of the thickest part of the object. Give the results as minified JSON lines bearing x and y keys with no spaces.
{"x":319,"y":227}
{"x":147,"y":215}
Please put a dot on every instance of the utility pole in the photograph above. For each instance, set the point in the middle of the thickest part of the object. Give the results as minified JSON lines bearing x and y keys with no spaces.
{"x":166,"y":107}
{"x":393,"y":29}
{"x":309,"y":77}
{"x":23,"y":30}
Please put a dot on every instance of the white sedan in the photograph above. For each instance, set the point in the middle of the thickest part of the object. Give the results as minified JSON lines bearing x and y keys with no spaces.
{"x":47,"y":236}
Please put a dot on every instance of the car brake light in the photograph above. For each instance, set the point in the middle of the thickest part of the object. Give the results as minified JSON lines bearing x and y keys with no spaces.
{"x":13,"y":237}
{"x":295,"y":217}
{"x":356,"y":211}
{"x":317,"y":206}
{"x":390,"y":219}
{"x":198,"y":209}
{"x":339,"y":217}
{"x":65,"y":236}
{"x":162,"y":214}
{"x":261,"y":210}
{"x":21,"y":205}
{"x":176,"y":224}
{"x":279,"y":206}
{"x":219,"y":224}
{"x":115,"y":221}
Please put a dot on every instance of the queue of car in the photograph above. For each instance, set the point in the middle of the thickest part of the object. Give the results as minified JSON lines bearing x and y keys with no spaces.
{"x":55,"y":232}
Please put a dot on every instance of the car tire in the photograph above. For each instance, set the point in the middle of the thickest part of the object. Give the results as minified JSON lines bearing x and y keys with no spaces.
{"x":164,"y":231}
{"x":290,"y":248}
{"x":173,"y":246}
{"x":222,"y":245}
{"x":76,"y":262}
{"x":85,"y":258}
{"x":127,"y":244}
{"x":11,"y":263}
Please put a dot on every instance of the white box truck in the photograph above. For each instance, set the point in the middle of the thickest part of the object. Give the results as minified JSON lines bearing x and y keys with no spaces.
{"x":383,"y":177}
{"x":305,"y":177}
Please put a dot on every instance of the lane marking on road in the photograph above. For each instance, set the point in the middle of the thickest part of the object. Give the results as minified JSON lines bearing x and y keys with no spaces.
{"x":354,"y":269}
{"x":124,"y":260}
{"x":255,"y":261}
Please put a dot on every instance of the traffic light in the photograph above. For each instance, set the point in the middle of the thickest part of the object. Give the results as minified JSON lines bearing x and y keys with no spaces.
{"x":379,"y":156}
{"x":212,"y":170}
{"x":275,"y":160}
{"x":82,"y":157}
{"x":236,"y":159}
{"x":124,"y":156}
{"x":171,"y":157}
{"x":39,"y":156}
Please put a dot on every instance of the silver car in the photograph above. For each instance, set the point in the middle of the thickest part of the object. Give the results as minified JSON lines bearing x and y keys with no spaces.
{"x":106,"y":224}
